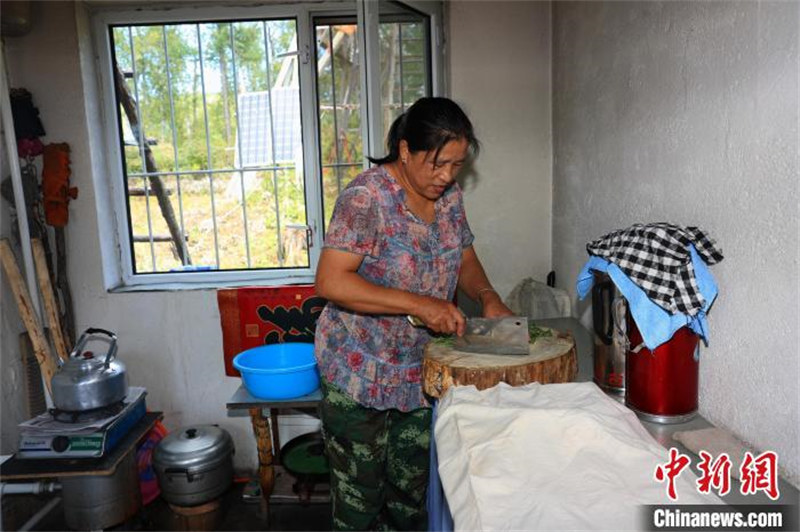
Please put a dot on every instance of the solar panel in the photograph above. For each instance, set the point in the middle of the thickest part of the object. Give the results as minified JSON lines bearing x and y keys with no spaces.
{"x":256,"y":128}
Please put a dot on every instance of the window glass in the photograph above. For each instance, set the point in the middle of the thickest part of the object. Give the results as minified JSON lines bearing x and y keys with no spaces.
{"x":212,"y":142}
{"x":339,"y":108}
{"x":405,"y":62}
{"x":405,"y":77}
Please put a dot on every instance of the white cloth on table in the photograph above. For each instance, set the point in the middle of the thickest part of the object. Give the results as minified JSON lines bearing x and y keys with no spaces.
{"x":549,"y":457}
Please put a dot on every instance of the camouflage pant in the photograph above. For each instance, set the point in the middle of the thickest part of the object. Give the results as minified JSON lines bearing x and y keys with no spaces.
{"x":379,"y":464}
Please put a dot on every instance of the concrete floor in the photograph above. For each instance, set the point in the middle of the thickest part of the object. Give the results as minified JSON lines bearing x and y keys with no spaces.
{"x":235,"y":514}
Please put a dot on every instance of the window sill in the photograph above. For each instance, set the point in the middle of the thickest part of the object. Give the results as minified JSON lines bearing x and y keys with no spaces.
{"x":208,"y":285}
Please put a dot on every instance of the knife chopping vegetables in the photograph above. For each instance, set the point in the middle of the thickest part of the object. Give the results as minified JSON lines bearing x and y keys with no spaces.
{"x":497,"y":336}
{"x":503,"y":336}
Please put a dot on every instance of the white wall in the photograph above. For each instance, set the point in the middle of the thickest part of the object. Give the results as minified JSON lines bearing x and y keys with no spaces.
{"x":12,"y":385}
{"x":500,"y":73}
{"x":687,"y":112}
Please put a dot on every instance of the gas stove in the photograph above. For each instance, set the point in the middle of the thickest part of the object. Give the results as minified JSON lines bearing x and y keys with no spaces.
{"x":88,"y":434}
{"x":87,"y":416}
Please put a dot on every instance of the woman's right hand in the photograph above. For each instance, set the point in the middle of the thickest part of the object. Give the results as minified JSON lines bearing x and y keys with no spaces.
{"x":440,"y":316}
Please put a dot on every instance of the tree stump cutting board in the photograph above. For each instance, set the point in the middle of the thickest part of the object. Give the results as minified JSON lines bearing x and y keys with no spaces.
{"x":552,"y":359}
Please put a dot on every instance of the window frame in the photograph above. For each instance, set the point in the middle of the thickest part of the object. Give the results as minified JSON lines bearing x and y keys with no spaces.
{"x":113,"y":183}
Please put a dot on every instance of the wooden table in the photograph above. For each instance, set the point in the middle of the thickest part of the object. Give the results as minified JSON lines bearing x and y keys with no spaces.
{"x":268,"y":438}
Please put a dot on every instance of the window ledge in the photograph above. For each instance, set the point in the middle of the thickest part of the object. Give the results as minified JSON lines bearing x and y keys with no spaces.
{"x":207,"y":285}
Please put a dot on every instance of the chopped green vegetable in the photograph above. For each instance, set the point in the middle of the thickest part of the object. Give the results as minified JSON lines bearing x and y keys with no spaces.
{"x":444,"y":341}
{"x":449,"y":340}
{"x":538,"y":332}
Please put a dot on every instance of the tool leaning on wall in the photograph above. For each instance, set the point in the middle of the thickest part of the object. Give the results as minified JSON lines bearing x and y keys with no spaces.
{"x":34,"y":208}
{"x":41,"y":348}
{"x":42,"y":205}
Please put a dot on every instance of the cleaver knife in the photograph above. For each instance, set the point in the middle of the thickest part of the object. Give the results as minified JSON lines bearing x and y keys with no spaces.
{"x":496,"y":336}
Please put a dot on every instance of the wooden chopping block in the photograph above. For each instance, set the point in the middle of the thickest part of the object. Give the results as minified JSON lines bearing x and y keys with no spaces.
{"x":206,"y":516}
{"x":551,"y":359}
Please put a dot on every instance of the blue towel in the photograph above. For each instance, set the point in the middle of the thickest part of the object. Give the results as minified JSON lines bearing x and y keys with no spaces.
{"x":656,"y":324}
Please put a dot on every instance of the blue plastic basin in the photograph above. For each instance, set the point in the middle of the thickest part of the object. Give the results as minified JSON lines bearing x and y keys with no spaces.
{"x":278,"y":371}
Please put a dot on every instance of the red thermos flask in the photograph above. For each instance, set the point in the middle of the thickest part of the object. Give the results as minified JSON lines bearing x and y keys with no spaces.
{"x":661,"y":385}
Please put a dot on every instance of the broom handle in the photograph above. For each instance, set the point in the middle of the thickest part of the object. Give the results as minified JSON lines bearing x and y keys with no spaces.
{"x":50,"y":303}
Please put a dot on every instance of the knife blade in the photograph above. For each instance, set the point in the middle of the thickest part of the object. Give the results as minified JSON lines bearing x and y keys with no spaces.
{"x":499,"y":336}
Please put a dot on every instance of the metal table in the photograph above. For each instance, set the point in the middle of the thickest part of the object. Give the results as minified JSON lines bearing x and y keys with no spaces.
{"x":268,"y":438}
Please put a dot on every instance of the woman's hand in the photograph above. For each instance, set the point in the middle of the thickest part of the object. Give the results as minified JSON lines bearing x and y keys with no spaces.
{"x":440,"y":316}
{"x":493,"y":306}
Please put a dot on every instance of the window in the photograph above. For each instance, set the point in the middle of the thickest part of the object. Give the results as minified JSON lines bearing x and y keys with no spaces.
{"x":404,"y":78}
{"x":232,"y":131}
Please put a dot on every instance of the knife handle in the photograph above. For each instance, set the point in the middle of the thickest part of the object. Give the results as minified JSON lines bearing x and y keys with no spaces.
{"x":415,"y":321}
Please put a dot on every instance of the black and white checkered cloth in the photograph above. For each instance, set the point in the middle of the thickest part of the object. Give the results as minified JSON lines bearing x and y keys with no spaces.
{"x":656,"y":258}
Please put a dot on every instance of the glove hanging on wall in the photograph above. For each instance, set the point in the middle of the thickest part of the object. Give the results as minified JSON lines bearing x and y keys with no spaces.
{"x":26,"y":117}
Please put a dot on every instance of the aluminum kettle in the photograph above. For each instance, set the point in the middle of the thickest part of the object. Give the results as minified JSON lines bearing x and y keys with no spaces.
{"x":86,"y":381}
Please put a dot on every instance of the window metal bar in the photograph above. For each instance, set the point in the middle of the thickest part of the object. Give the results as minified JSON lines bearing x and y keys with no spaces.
{"x":335,"y":110}
{"x":146,"y":182}
{"x":268,"y":50}
{"x":400,"y":60}
{"x":185,"y":253}
{"x":341,"y":105}
{"x":239,"y":142}
{"x":208,"y":143}
{"x":277,"y":217}
{"x":341,"y":165}
{"x":205,"y":172}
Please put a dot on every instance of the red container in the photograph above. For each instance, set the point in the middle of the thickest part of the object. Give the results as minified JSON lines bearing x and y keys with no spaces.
{"x":661,"y":385}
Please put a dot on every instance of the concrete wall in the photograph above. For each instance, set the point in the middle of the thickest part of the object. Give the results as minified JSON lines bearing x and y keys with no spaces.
{"x":687,"y":112}
{"x":500,"y":73}
{"x":12,"y":385}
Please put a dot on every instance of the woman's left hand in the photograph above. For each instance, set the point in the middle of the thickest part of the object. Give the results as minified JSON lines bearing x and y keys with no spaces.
{"x":493,"y":307}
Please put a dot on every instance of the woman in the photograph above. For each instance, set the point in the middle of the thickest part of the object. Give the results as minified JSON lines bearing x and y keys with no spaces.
{"x":397,"y":245}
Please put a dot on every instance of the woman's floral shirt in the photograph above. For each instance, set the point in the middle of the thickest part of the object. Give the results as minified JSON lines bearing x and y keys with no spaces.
{"x":377,"y":358}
